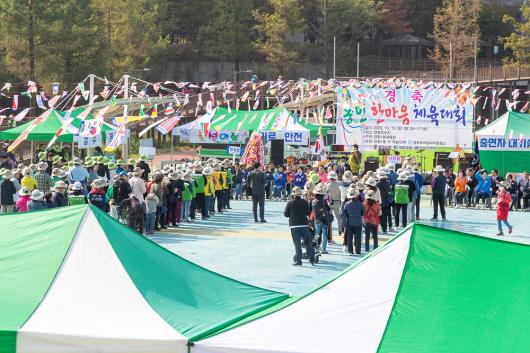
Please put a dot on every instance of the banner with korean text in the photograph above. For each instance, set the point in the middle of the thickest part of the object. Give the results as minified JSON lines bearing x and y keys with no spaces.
{"x":404,"y":118}
{"x":212,"y":136}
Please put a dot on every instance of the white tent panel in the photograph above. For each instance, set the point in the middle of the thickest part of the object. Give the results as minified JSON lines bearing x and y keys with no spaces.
{"x":347,"y":315}
{"x":93,"y":306}
{"x":496,"y":128}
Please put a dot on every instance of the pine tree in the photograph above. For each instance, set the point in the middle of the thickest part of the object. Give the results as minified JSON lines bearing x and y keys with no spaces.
{"x":229,"y":33}
{"x":519,"y":41}
{"x":455,"y":32}
{"x":25,"y":29}
{"x":276,"y":29}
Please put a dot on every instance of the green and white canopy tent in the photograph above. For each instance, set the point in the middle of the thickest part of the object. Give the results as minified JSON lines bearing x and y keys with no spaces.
{"x":264,"y":120}
{"x":505,"y":143}
{"x":74,"y":280}
{"x":46,"y":130}
{"x":428,"y":290}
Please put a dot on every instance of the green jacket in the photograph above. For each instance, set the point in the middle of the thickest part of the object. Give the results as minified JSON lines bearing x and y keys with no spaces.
{"x":229,"y":175}
{"x":401,"y":195}
{"x":187,"y":194}
{"x":199,"y":178}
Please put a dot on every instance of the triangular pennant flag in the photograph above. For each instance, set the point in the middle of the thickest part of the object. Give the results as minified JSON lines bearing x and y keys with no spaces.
{"x":328,"y":114}
{"x":21,"y":115}
{"x":245,"y":96}
{"x":76,"y":98}
{"x":52,"y":102}
{"x":154,"y":112}
{"x":142,"y":113}
{"x":6,"y":87}
{"x":256,"y":104}
{"x":81,"y":87}
{"x":40,"y":103}
{"x":113,"y":100}
{"x":14,"y":105}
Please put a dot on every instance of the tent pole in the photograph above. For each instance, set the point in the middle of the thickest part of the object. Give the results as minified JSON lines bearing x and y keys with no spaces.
{"x":171,"y":147}
{"x":73,"y":149}
{"x":32,"y":144}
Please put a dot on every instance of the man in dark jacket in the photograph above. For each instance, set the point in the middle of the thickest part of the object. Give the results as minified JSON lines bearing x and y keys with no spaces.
{"x":472,"y":183}
{"x":142,"y":163}
{"x":384,"y":189}
{"x":7,"y":190}
{"x":438,"y":192}
{"x":122,"y":189}
{"x":256,"y":180}
{"x":298,"y":210}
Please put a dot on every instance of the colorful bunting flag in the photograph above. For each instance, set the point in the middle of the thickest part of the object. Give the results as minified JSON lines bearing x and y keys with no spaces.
{"x":154,"y":112}
{"x":168,"y":125}
{"x":144,"y":131}
{"x":21,"y":115}
{"x":14,"y":105}
{"x":24,"y":135}
{"x":40,"y":103}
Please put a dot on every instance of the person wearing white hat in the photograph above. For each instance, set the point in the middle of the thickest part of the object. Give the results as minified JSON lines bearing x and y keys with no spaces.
{"x":209,"y":190}
{"x":298,"y":210}
{"x":7,"y":192}
{"x":138,"y":184}
{"x":97,"y":196}
{"x":36,"y":201}
{"x":323,"y":215}
{"x":352,"y":214}
{"x":44,"y":181}
{"x":200,"y":182}
{"x":59,"y":197}
{"x":345,"y":183}
{"x":334,"y":191}
{"x":77,"y":196}
{"x":187,"y":196}
{"x":22,"y":203}
{"x":401,"y":199}
{"x":438,"y":185}
{"x":372,"y":211}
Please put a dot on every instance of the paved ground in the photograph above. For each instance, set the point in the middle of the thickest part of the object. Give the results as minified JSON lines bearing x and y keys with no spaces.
{"x":261,"y":254}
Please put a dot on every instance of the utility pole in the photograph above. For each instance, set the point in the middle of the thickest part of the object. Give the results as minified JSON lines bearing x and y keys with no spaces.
{"x":334,"y":56}
{"x":475,"y":63}
{"x":358,"y":50}
{"x":91,"y":87}
{"x":450,"y":61}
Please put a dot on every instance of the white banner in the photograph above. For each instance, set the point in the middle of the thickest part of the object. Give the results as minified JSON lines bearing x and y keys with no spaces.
{"x":109,"y":136}
{"x":502,"y":143}
{"x":195,"y":136}
{"x":288,"y":137}
{"x":404,"y":118}
{"x":88,"y":141}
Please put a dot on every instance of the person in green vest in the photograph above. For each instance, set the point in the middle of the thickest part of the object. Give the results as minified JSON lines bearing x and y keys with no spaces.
{"x":200,"y":199}
{"x":77,"y":196}
{"x":187,"y":195}
{"x":193,"y":183}
{"x":57,"y":174}
{"x":401,"y":198}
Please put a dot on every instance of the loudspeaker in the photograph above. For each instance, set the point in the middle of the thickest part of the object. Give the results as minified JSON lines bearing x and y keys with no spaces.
{"x":277,"y":152}
{"x":442,"y":158}
{"x":371,"y":163}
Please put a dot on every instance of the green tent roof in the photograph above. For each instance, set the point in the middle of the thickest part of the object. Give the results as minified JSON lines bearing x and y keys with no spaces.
{"x":251,"y":120}
{"x":517,"y":123}
{"x":64,"y":270}
{"x":46,"y":130}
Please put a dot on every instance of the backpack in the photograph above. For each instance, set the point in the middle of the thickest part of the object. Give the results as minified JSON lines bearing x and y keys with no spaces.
{"x":401,"y":194}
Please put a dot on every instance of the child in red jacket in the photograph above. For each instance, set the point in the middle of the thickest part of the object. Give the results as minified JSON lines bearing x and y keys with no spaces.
{"x":504,"y":199}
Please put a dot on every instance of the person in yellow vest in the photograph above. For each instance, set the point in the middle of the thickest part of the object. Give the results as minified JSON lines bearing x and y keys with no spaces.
{"x":209,"y":189}
{"x":355,"y":160}
{"x":226,"y":183}
{"x":218,"y":184}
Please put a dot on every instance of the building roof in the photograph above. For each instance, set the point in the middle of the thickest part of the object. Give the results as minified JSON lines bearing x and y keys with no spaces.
{"x":407,"y":40}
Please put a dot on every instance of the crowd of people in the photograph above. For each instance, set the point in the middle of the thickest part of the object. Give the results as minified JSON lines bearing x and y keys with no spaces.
{"x":336,"y":193}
